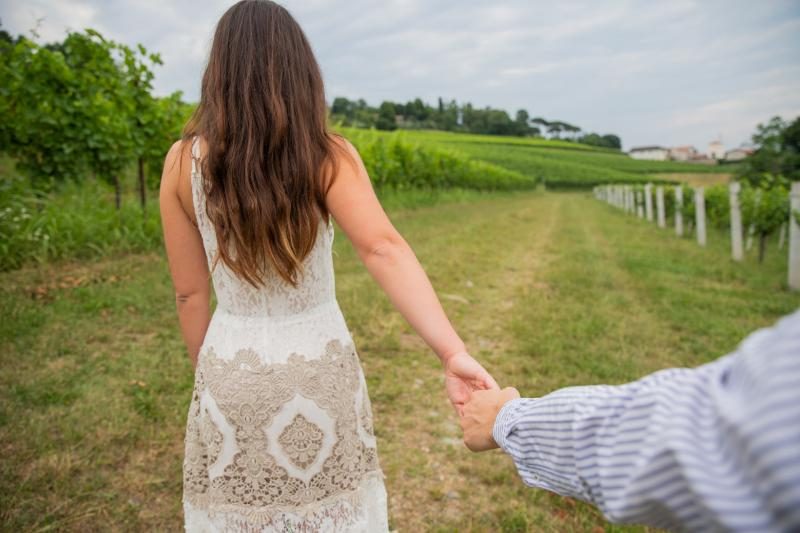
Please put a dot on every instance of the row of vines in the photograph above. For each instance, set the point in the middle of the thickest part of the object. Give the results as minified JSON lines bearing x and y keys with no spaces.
{"x":752,"y":212}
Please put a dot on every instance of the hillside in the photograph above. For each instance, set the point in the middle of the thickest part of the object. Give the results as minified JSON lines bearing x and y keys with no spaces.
{"x":557,"y":163}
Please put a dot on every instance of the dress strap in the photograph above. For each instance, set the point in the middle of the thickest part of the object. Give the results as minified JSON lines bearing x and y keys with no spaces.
{"x":195,"y":154}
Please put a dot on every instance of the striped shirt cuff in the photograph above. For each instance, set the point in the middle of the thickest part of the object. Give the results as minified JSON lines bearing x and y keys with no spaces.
{"x":538,"y":466}
{"x":504,"y":422}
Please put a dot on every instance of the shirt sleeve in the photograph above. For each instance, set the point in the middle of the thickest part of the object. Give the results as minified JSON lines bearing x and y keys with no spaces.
{"x":713,"y":447}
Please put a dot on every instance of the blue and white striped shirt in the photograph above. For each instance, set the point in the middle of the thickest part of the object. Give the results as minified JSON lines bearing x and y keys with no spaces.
{"x":711,"y":448}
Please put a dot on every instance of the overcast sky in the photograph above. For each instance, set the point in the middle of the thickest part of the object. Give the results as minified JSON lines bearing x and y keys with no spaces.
{"x":654,"y":72}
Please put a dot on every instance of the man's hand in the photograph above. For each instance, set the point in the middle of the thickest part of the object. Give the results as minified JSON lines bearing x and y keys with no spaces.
{"x":479,"y":416}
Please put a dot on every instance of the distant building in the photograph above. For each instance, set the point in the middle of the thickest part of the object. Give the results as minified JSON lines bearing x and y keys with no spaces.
{"x":716,"y":150}
{"x":651,"y":153}
{"x":683,"y":153}
{"x":738,"y":154}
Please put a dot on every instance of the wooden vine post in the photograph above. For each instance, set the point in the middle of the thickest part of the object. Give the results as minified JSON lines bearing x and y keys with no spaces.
{"x":648,"y":202}
{"x":662,"y":219}
{"x":679,"y":211}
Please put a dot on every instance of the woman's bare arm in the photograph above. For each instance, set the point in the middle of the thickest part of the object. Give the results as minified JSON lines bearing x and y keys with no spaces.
{"x":185,"y":252}
{"x":393,"y":264}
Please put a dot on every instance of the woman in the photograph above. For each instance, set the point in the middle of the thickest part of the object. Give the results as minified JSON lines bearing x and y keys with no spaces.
{"x":279,"y":434}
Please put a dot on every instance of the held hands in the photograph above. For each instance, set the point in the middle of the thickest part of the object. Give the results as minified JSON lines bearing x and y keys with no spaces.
{"x":462,"y":376}
{"x":477,"y":399}
{"x":479,"y":414}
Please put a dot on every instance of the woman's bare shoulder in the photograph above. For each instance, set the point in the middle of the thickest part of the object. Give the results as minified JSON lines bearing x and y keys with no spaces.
{"x":176,"y":177}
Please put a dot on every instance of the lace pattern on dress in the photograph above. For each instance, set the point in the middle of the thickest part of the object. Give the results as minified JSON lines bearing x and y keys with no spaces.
{"x":300,"y":463}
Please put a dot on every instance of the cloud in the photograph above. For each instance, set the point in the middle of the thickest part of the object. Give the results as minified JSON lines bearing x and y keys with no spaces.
{"x":677,"y":72}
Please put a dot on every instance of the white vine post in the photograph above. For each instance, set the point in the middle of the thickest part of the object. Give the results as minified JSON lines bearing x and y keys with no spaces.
{"x":639,"y":206}
{"x":700,"y":215}
{"x":737,"y":250}
{"x":679,"y":211}
{"x":624,"y":197}
{"x":794,"y":238}
{"x":627,"y":199}
{"x":631,"y":202}
{"x":648,"y":201}
{"x":662,"y":220}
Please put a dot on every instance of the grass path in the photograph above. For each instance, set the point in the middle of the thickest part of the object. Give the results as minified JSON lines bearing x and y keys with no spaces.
{"x":548,"y":290}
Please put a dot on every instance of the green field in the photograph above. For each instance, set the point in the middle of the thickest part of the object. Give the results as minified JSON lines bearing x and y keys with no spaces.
{"x":548,"y":290}
{"x":559,"y":164}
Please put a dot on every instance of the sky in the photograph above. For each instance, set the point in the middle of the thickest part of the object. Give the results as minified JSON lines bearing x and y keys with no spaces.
{"x":662,"y":73}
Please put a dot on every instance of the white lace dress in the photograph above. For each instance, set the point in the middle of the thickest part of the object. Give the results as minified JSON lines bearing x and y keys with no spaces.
{"x":279,"y":434}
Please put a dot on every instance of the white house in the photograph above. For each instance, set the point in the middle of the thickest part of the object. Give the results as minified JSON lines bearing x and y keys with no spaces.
{"x":737,"y":154}
{"x":716,"y":150}
{"x":683,"y":153}
{"x":652,"y":153}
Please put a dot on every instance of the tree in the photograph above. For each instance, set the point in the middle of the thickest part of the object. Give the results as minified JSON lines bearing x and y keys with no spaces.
{"x":342,"y":106}
{"x":605,"y":141}
{"x":522,"y":122}
{"x":540,"y":121}
{"x":418,"y":110}
{"x":569,"y":128}
{"x":386,"y":117}
{"x":498,"y":122}
{"x":776,"y":153}
{"x":612,"y":141}
{"x":555,"y":128}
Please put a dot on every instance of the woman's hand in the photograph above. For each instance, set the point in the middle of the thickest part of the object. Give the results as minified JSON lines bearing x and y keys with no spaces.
{"x":462,"y":375}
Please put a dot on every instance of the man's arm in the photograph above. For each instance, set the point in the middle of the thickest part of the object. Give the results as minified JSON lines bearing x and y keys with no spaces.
{"x":715,"y":447}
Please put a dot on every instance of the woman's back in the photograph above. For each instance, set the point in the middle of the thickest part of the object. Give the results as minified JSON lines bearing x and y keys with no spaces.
{"x":277,"y":298}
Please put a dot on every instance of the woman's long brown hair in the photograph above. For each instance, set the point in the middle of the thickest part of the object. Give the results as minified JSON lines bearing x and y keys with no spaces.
{"x":270,"y":156}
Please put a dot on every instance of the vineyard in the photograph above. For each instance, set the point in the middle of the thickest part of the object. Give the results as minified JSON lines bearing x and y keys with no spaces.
{"x":84,"y":141}
{"x":548,"y":287}
{"x":750,"y":213}
{"x":558,"y":164}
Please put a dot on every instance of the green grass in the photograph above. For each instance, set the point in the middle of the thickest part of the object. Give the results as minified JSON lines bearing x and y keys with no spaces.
{"x":560,"y":289}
